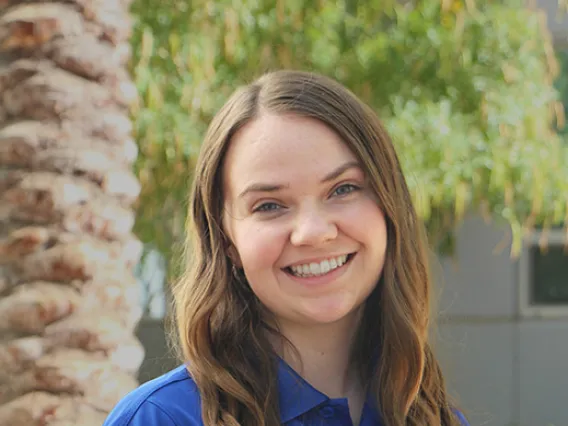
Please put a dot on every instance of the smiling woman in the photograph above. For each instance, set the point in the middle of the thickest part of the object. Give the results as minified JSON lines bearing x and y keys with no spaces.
{"x":306,"y":296}
{"x":319,"y":208}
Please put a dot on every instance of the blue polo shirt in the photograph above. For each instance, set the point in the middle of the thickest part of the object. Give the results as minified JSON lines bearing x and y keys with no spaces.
{"x":173,"y":400}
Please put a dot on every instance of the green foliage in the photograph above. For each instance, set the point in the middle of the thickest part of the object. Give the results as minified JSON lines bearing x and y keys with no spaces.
{"x":561,"y":84}
{"x":465,"y":89}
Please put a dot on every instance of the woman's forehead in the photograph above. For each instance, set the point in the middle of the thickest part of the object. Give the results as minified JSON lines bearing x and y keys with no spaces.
{"x":279,"y":145}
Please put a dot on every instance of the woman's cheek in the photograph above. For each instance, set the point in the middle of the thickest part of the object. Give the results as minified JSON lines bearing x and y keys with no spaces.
{"x":261,"y":247}
{"x":365,"y":207}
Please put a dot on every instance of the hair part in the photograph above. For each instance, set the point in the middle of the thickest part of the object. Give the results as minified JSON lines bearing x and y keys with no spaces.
{"x":221,"y":325}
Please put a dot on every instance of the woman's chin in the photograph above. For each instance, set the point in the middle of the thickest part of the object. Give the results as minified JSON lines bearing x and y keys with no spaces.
{"x":327,"y":313}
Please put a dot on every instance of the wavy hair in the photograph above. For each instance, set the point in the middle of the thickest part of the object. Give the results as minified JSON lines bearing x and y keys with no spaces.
{"x":221,"y":325}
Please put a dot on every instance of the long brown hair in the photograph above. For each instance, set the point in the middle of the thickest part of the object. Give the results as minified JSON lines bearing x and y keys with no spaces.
{"x":221,"y":325}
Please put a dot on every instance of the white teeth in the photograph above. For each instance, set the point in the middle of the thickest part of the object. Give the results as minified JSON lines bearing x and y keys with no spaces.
{"x":315,"y":269}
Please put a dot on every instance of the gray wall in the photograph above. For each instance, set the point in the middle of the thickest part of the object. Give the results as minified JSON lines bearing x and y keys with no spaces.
{"x":159,"y":359}
{"x":557,"y":21}
{"x":504,"y":365}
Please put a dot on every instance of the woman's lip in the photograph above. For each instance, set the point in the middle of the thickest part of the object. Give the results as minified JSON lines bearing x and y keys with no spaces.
{"x":322,"y":279}
{"x":318,"y":259}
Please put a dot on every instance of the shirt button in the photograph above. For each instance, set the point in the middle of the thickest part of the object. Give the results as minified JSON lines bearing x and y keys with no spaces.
{"x":328,"y":412}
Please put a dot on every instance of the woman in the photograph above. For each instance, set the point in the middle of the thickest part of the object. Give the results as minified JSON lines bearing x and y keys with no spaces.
{"x":306,"y":296}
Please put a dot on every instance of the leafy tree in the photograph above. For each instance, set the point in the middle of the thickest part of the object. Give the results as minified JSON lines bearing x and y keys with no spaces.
{"x":464,"y":87}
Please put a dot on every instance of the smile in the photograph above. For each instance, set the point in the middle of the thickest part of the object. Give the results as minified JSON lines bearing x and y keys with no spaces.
{"x":320,"y":268}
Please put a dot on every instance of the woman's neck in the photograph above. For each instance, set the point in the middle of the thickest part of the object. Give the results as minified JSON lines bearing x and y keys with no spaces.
{"x":324,"y":355}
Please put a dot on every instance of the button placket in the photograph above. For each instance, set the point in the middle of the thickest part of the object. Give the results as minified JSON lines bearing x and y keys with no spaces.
{"x":327,"y":412}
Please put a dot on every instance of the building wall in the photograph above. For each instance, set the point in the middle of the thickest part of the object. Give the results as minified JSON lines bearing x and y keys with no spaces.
{"x":159,"y":358}
{"x":505,"y":367}
{"x":557,"y":22}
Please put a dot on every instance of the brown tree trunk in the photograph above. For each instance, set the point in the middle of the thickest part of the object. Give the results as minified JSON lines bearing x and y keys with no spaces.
{"x":68,"y":297}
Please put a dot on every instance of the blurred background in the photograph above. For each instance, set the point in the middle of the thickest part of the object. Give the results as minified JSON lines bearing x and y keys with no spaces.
{"x":104,"y":103}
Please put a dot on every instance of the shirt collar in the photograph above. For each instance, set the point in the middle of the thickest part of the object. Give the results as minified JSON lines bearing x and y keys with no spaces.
{"x":297,"y":397}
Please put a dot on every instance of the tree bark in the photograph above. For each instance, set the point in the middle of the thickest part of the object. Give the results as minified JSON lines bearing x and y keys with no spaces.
{"x":69,"y":302}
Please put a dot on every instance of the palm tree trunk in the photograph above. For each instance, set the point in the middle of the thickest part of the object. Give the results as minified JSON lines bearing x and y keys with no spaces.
{"x":68,"y":297}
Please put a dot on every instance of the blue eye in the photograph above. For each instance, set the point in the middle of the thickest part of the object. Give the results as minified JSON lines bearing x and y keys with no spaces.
{"x":267,"y":207}
{"x":344,"y":189}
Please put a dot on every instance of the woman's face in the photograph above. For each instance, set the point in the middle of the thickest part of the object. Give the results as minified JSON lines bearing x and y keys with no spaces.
{"x":304,"y":222}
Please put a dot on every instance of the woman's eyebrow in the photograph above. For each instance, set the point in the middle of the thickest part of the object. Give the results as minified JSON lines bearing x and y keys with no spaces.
{"x":271,"y":187}
{"x":340,"y":170}
{"x":262,"y":187}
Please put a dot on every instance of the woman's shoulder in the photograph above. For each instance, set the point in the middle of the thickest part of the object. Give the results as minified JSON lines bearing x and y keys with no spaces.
{"x":461,"y":417}
{"x":169,"y":400}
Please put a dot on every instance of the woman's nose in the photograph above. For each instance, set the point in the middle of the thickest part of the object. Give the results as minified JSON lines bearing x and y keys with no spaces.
{"x":313,"y":227}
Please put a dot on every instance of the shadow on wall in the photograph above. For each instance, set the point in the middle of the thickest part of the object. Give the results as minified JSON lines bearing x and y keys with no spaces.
{"x":158,"y":359}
